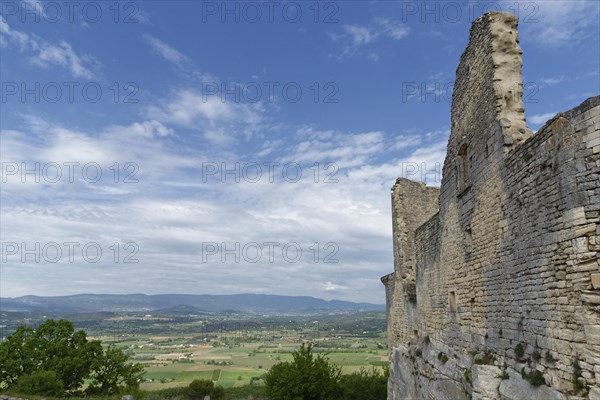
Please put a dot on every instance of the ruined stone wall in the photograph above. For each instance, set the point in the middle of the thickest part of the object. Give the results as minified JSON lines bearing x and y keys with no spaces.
{"x":505,"y":305}
{"x":412,"y":204}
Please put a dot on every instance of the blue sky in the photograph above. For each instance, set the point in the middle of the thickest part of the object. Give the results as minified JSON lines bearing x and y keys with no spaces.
{"x":356,"y":91}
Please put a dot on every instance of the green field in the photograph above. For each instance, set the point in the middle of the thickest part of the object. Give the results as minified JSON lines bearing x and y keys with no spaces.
{"x":236,"y":350}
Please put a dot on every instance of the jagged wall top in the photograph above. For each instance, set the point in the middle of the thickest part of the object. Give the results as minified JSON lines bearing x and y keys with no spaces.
{"x":487,"y":102}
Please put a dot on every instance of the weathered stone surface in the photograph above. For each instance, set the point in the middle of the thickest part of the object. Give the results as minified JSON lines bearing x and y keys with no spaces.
{"x":516,"y":388}
{"x":498,"y":270}
{"x":486,"y":380}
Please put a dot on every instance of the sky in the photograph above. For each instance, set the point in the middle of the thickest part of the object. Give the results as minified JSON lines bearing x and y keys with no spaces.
{"x":239,"y":147}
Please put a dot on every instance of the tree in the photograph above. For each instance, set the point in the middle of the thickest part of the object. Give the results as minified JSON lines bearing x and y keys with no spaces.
{"x":52,"y":346}
{"x":199,"y":388}
{"x":111,"y":372}
{"x":305,"y":378}
{"x":55,"y":353}
{"x":364,"y":385}
{"x":218,"y":393}
{"x":44,"y":383}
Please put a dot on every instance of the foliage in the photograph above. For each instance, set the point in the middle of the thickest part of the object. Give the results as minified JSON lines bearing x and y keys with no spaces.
{"x":519,"y":351}
{"x":52,"y":346}
{"x":534,"y":377}
{"x":504,"y":375}
{"x":111,"y":372}
{"x":364,"y":385}
{"x":44,"y":383}
{"x":37,"y":360}
{"x":469,"y":375}
{"x":199,"y":388}
{"x":578,"y":381}
{"x":305,"y":378}
{"x":218,"y":393}
{"x":487,"y":358}
{"x":442,"y":357}
{"x":548,"y":357}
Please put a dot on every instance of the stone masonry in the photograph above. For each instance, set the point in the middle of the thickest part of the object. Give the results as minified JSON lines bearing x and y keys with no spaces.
{"x":495,"y":292}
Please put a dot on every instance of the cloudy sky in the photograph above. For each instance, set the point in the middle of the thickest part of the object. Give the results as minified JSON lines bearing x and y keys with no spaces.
{"x":211,"y":147}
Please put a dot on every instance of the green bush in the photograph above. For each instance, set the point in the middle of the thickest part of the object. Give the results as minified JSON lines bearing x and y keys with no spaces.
{"x":364,"y":385}
{"x":469,"y":376}
{"x":44,"y":383}
{"x":519,"y":351}
{"x":442,"y":357}
{"x":534,"y":377}
{"x":307,"y":377}
{"x":578,"y":381}
{"x":218,"y":393}
{"x":199,"y":388}
{"x":29,"y":354}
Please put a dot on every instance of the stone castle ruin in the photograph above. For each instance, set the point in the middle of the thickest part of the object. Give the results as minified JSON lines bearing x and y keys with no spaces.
{"x":495,"y":292}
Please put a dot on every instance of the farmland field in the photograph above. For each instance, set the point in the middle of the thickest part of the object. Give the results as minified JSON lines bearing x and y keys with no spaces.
{"x":234,"y":350}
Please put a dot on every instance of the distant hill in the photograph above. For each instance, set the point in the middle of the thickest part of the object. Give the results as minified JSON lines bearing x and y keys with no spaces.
{"x":247,"y":303}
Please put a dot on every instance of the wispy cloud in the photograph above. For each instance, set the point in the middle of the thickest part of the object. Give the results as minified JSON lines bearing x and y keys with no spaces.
{"x":539,"y":119}
{"x":48,"y":54}
{"x":167,"y":52}
{"x":559,"y":22}
{"x":354,"y":36}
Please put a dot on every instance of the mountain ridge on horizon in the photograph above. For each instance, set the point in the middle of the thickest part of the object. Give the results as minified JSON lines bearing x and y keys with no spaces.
{"x":242,"y":302}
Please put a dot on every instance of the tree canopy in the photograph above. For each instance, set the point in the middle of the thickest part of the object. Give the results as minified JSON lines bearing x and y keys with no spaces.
{"x":54,"y":355}
{"x":310,"y":377}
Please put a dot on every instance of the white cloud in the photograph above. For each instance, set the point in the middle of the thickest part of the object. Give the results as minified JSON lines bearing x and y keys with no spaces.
{"x":171,"y":211}
{"x":166,"y":51}
{"x":353,"y":36}
{"x":539,"y":119}
{"x":61,"y":54}
{"x":558,"y":22}
{"x":333,"y":287}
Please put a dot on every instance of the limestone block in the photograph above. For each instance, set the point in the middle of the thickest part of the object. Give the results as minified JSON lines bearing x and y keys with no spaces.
{"x":596,"y":281}
{"x":594,"y":393}
{"x":486,"y":380}
{"x":592,"y":334}
{"x":516,"y":388}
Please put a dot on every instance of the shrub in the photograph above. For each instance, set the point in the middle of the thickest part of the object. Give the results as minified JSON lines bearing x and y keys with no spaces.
{"x":306,"y":377}
{"x":199,"y":388}
{"x":534,"y":377}
{"x":44,"y":383}
{"x":519,"y":351}
{"x":469,"y":376}
{"x":503,"y":375}
{"x":578,"y":381}
{"x":548,"y":357}
{"x":364,"y":385}
{"x":487,"y":358}
{"x":442,"y":357}
{"x":536,"y":356}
